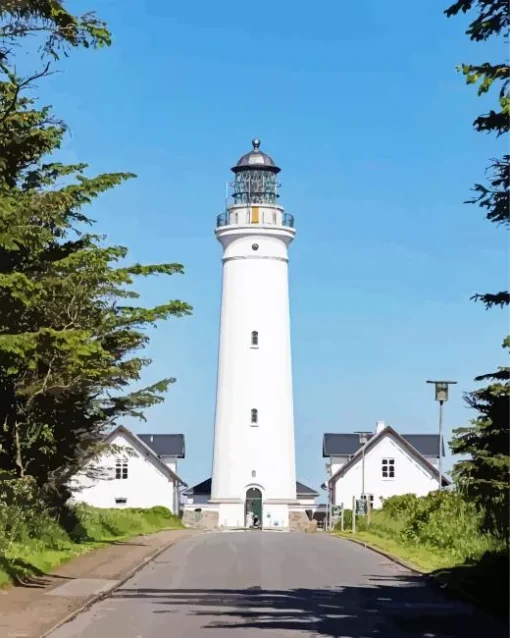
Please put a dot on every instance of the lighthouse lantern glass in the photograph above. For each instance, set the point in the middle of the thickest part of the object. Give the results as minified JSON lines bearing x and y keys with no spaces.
{"x":255,"y":186}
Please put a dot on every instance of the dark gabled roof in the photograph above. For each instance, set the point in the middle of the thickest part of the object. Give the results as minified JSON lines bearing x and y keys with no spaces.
{"x":304,"y":490}
{"x":165,"y":444}
{"x":204,"y":488}
{"x":388,"y":430}
{"x":426,"y":444}
{"x":345,"y":444}
{"x":137,"y":441}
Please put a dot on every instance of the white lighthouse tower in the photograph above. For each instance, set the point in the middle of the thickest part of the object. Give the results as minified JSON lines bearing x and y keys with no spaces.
{"x":254,"y":456}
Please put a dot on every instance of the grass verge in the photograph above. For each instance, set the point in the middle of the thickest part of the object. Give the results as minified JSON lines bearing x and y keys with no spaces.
{"x":92,"y":528}
{"x":483,"y":581}
{"x":422,"y":558}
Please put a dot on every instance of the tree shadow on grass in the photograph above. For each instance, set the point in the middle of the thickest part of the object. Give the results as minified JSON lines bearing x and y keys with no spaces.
{"x":485,"y":581}
{"x":25,"y":574}
{"x":405,"y":607}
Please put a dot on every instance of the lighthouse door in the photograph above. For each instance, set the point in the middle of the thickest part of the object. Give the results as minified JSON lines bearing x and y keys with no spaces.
{"x":253,"y":510}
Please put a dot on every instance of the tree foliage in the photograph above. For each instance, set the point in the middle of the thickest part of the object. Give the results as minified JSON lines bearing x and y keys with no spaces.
{"x":485,"y":474}
{"x":71,"y":332}
{"x":57,"y":28}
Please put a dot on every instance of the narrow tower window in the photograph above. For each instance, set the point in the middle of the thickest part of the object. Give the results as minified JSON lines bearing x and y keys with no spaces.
{"x":255,"y":339}
{"x":254,"y":416}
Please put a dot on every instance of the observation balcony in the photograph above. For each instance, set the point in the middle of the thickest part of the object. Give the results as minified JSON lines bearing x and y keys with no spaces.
{"x":255,"y":216}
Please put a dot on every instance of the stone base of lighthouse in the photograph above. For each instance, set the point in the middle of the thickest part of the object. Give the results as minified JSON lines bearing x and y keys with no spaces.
{"x":276,"y":515}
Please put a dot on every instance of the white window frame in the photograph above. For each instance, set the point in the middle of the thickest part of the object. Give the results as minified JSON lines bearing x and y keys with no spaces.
{"x":121,"y":469}
{"x":388,"y":464}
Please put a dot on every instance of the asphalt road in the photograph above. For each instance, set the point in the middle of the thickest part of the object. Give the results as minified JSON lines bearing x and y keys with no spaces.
{"x":276,"y":584}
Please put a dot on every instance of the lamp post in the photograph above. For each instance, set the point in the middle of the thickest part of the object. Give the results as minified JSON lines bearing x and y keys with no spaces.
{"x":363,"y":440}
{"x":441,"y":388}
{"x":326,"y":486}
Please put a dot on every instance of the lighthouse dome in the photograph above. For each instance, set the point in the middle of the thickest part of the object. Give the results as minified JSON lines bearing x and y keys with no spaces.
{"x":256,"y":159}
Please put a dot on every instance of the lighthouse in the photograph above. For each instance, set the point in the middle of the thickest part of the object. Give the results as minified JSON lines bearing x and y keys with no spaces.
{"x":254,"y":476}
{"x":254,"y":473}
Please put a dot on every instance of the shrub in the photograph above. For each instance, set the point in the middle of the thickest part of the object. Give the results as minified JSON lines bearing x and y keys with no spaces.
{"x":24,"y":517}
{"x":442,"y":520}
{"x":401,"y":506}
{"x":161,"y":511}
{"x":447,"y":521}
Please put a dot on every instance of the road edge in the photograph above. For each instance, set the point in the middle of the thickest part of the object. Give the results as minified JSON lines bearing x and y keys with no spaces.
{"x":104,"y":594}
{"x":439,"y":584}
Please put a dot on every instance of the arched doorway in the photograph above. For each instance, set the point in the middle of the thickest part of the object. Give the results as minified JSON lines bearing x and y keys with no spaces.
{"x":253,"y":506}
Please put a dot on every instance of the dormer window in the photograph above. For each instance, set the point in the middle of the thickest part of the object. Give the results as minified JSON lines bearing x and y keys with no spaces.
{"x":255,"y":339}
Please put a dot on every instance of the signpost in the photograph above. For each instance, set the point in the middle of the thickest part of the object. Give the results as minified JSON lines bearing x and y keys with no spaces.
{"x":337,"y":512}
{"x":361,"y":507}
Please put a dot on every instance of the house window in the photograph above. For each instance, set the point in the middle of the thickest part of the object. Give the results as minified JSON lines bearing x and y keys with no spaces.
{"x":255,"y":339}
{"x":121,"y":501}
{"x":370,"y":497}
{"x":254,"y":416}
{"x":388,"y":468}
{"x":121,"y":469}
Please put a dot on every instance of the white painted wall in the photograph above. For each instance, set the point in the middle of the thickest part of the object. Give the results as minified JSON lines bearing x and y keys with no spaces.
{"x":231,"y":514}
{"x":255,"y":296}
{"x":146,"y":485}
{"x":411,"y":476}
{"x":275,"y":516}
{"x":170,"y":462}
{"x":308,"y":502}
{"x":336,"y":463}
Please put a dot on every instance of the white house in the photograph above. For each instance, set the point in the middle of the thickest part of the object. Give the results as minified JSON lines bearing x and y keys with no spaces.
{"x":377,"y":465}
{"x":139,"y":471}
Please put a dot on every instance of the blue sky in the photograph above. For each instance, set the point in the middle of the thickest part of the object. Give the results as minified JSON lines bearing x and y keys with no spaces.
{"x":361,"y":106}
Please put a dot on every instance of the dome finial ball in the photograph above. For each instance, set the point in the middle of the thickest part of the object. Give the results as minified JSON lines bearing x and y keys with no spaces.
{"x":256,"y":144}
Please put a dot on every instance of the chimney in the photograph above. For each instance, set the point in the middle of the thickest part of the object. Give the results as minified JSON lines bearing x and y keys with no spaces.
{"x":152,"y":437}
{"x":379,"y":426}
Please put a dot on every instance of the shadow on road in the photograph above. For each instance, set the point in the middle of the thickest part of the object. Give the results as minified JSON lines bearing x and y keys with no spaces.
{"x":381,"y":610}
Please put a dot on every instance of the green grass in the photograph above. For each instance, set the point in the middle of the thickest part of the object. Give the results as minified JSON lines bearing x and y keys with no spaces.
{"x":37,"y":554}
{"x":423,"y":558}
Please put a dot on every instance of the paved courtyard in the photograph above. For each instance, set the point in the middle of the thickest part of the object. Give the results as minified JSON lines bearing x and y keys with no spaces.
{"x":256,"y":584}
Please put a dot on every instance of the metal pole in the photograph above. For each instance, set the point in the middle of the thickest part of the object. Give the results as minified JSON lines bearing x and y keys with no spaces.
{"x":328,"y":513}
{"x":363,"y":472}
{"x":353,"y":514}
{"x":440,"y":464}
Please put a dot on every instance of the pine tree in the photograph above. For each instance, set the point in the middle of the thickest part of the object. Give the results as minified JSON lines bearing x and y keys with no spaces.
{"x":484,"y":475}
{"x":71,"y":334}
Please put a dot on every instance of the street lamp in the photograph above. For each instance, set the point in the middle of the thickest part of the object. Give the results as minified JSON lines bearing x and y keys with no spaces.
{"x":441,"y":388}
{"x":363,"y":440}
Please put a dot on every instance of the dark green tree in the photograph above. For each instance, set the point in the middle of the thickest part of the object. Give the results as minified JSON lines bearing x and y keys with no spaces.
{"x":71,"y":333}
{"x":485,"y":474}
